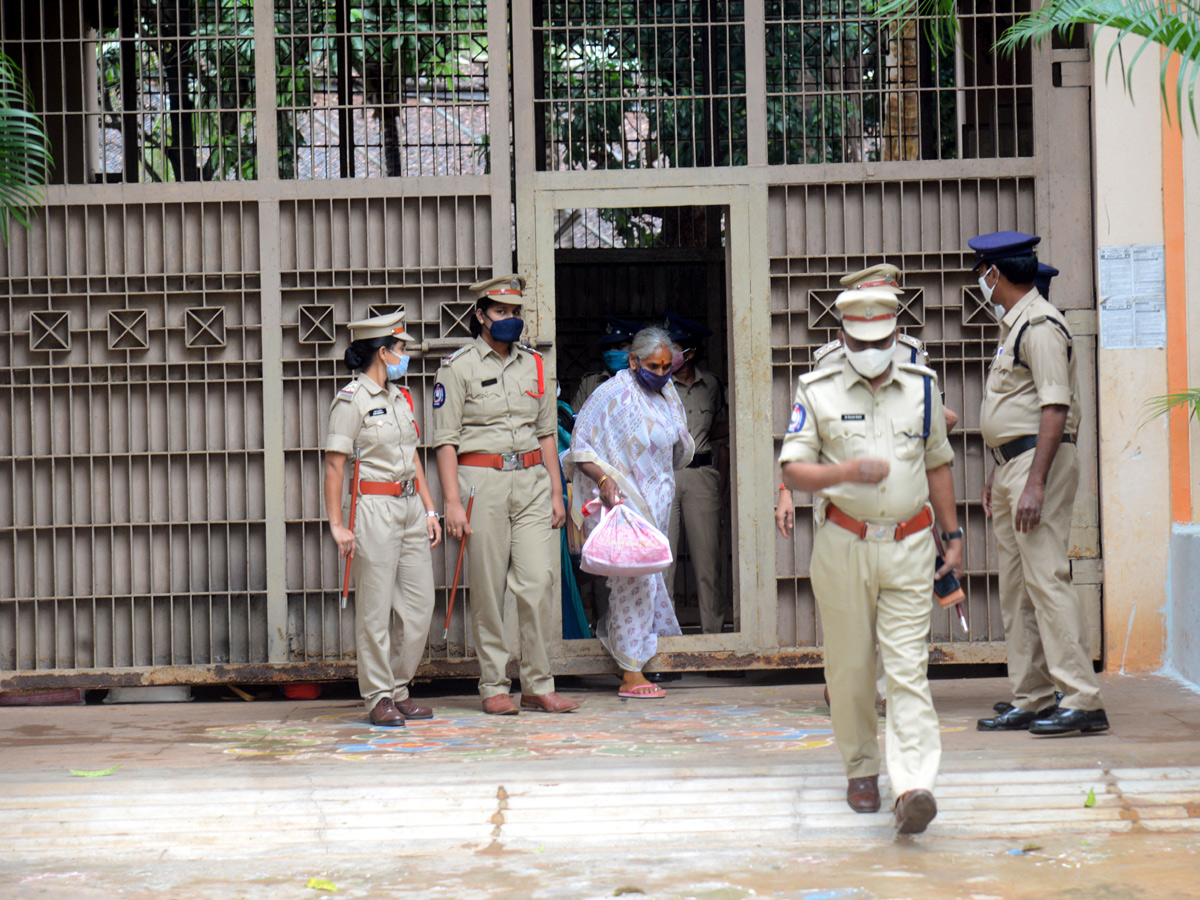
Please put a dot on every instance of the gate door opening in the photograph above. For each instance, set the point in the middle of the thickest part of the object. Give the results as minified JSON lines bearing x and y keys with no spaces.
{"x":638,"y":265}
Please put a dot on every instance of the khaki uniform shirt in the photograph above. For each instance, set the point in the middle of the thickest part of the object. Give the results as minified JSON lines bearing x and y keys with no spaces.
{"x":704,"y":404}
{"x":1016,"y":392}
{"x":586,"y":388}
{"x":376,"y":425}
{"x":485,"y":404}
{"x":836,"y":418}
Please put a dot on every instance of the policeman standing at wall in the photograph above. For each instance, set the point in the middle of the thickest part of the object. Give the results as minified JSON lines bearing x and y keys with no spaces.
{"x":395,"y":524}
{"x":1029,"y":420}
{"x":868,"y":438}
{"x":614,"y":347}
{"x":495,"y":430}
{"x":698,"y":507}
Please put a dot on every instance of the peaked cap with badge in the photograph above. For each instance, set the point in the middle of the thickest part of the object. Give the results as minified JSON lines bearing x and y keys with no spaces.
{"x":388,"y":325}
{"x":868,"y":314}
{"x":1001,"y":245}
{"x":502,"y":289}
{"x":618,"y":331}
{"x":685,"y":330}
{"x":884,"y":277}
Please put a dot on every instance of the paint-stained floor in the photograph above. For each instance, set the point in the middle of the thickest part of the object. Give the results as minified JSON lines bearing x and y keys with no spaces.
{"x":725,"y":789}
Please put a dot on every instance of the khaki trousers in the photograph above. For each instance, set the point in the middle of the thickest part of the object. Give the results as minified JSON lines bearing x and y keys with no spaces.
{"x":511,"y":546}
{"x":870,"y":591}
{"x":697,"y":503}
{"x":393,"y":599}
{"x":1043,"y":619}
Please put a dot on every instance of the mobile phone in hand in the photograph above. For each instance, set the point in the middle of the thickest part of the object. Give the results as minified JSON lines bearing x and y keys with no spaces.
{"x":947,"y":588}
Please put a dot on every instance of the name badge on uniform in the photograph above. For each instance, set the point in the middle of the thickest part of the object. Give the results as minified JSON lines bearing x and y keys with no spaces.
{"x":488,"y":383}
{"x":852,"y":417}
{"x":797,"y":420}
{"x":439,"y":396}
{"x":377,"y":412}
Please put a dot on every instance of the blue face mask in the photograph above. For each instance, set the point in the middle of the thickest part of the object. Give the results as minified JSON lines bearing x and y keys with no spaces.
{"x":396,"y":371}
{"x":616,"y":360}
{"x":506,"y":331}
{"x":650,"y":381}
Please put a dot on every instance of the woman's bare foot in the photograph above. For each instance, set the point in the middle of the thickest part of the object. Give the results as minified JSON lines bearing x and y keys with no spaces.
{"x":636,"y":683}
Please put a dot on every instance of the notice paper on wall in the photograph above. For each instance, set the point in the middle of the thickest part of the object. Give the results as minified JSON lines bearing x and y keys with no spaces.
{"x":1133,"y":297}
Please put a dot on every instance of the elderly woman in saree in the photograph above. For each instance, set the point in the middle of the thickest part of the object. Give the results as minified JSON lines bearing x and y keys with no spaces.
{"x":629,"y":439}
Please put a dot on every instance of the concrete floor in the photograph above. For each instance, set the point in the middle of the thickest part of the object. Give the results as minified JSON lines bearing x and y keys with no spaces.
{"x":726,"y":789}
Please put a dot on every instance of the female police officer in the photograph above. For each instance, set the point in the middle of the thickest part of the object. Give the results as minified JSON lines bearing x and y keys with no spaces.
{"x":395,"y":521}
{"x":495,"y":430}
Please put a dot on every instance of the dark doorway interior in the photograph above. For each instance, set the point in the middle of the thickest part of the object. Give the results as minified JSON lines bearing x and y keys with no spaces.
{"x":641,"y":284}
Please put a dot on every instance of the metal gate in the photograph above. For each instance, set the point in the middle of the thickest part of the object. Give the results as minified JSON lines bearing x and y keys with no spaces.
{"x":171,"y":330}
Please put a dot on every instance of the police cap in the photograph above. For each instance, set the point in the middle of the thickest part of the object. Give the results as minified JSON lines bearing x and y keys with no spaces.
{"x":390,"y":325}
{"x":1001,"y":245}
{"x":868,"y":314}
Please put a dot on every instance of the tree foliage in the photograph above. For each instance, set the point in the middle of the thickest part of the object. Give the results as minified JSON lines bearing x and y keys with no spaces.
{"x":25,"y":158}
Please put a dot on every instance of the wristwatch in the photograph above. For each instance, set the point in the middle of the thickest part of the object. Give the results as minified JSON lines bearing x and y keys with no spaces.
{"x":948,"y":536}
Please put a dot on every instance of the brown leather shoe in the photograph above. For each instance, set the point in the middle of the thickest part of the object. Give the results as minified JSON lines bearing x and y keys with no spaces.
{"x":386,"y":714}
{"x":551,"y":703}
{"x":412,"y":711}
{"x":863,"y":794}
{"x":914,"y":811}
{"x":500,"y":705}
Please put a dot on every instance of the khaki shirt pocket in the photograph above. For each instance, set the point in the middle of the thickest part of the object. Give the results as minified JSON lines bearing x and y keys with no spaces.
{"x":907,"y":440}
{"x":848,"y":439}
{"x":379,"y":431}
{"x":1000,"y":375}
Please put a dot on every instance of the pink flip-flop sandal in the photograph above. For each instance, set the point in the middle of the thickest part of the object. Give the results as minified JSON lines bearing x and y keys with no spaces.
{"x":640,"y":692}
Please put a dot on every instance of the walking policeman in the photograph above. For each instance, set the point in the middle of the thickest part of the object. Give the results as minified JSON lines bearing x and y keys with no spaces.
{"x":1029,"y":420}
{"x":394,"y":522}
{"x":495,"y":430}
{"x":868,"y":438}
{"x":697,"y":508}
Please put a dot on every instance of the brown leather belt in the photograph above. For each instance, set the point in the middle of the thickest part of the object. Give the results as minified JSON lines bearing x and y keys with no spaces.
{"x":505,"y":462}
{"x":871,"y":532}
{"x":389,"y":488}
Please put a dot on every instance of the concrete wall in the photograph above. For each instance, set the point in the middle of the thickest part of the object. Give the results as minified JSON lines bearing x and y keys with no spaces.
{"x":1135,"y":486}
{"x":1183,"y":611}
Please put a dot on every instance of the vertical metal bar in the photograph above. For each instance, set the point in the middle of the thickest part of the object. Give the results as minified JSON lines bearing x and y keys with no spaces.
{"x":499,"y":113}
{"x":756,"y":84}
{"x":345,"y":120}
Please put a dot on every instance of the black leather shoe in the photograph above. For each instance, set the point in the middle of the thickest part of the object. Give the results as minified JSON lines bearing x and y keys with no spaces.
{"x":1065,"y":721}
{"x":1013,"y":720}
{"x":1004,"y":706}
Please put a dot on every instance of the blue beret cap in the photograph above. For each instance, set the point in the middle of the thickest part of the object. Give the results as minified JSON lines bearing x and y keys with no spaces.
{"x":618,"y":331}
{"x":681,"y":329}
{"x":1042,"y":281}
{"x":1002,"y":244}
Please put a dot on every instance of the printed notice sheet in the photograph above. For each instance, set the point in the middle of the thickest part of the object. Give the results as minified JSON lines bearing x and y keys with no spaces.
{"x":1133,"y":297}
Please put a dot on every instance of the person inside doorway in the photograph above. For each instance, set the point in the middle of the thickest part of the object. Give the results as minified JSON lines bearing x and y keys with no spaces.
{"x":699,"y":505}
{"x":614,"y":347}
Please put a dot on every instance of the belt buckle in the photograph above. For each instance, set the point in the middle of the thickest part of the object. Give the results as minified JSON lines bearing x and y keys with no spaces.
{"x":510,"y":462}
{"x":408,"y":488}
{"x":997,"y":456}
{"x":878,"y":534}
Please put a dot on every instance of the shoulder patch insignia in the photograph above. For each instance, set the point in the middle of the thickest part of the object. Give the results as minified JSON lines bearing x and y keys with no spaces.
{"x":797,"y":420}
{"x":825,"y":350}
{"x":348,"y":390}
{"x":456,"y":354}
{"x":439,"y":396}
{"x":818,"y":374}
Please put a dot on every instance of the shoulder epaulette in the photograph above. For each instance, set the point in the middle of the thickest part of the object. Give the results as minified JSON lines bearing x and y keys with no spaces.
{"x":910,"y":340}
{"x":446,"y":360}
{"x":817,"y":374}
{"x":529,"y":349}
{"x":348,"y":390}
{"x":825,"y":350}
{"x":917,"y":369}
{"x":1034,"y":320}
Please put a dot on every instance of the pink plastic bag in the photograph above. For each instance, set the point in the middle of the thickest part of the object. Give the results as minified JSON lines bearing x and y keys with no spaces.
{"x":624,"y":543}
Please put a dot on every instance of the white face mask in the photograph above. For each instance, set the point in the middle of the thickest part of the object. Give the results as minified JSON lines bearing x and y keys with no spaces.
{"x":871,"y":362}
{"x":983,"y":286}
{"x":998,"y":312}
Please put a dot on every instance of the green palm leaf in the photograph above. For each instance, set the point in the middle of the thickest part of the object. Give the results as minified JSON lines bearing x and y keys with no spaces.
{"x":25,"y":157}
